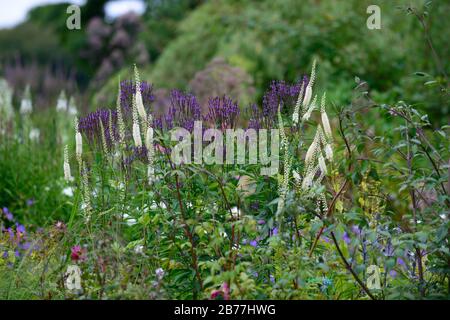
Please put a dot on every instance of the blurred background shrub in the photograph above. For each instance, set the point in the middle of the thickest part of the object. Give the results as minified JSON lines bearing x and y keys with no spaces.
{"x":178,"y":43}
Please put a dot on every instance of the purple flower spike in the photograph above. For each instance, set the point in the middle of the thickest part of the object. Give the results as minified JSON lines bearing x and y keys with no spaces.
{"x":222,"y":112}
{"x":346,"y":238}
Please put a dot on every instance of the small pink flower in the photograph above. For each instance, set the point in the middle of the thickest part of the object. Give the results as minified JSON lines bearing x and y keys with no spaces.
{"x":222,"y":294}
{"x":78,"y":253}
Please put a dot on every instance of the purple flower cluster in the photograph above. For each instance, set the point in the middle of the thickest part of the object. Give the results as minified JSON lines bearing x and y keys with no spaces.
{"x":137,"y":153}
{"x":184,"y":110}
{"x":7,"y":214}
{"x":280,"y":94}
{"x":17,"y":238}
{"x":222,"y":112}
{"x":90,"y":126}
{"x":128,"y":89}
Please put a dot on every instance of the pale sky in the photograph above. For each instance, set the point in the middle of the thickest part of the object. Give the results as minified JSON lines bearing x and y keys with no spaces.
{"x":12,"y":12}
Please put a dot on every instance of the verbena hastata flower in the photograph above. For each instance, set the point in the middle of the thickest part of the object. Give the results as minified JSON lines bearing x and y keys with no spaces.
{"x":67,"y":174}
{"x":184,"y":110}
{"x":222,"y":112}
{"x":136,"y":129}
{"x":26,"y":105}
{"x":100,"y":128}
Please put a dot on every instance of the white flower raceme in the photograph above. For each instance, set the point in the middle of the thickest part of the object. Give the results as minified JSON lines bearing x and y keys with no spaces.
{"x":308,"y":95}
{"x":120,"y":122}
{"x":322,"y":165}
{"x":78,"y":144}
{"x":311,"y":108}
{"x":138,"y":96}
{"x":329,"y":152}
{"x":6,"y":107}
{"x":67,"y":175}
{"x":309,"y":177}
{"x":78,"y":140}
{"x":136,"y":129}
{"x":34,"y":134}
{"x":137,"y":135}
{"x":308,"y":90}
{"x":87,"y":193}
{"x":296,"y":176}
{"x":325,"y":121}
{"x":296,"y":114}
{"x":26,"y":106}
{"x":61,"y":104}
{"x":104,"y":144}
{"x":314,"y":148}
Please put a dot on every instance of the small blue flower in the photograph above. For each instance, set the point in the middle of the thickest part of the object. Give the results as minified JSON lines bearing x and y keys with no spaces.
{"x":9,"y":216}
{"x":346,"y":238}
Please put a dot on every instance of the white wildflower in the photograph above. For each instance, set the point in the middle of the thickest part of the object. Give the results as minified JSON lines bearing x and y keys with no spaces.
{"x":137,"y":135}
{"x":329,"y":152}
{"x":78,"y":144}
{"x":120,"y":121}
{"x":296,"y":114}
{"x":26,"y":105}
{"x":159,"y":273}
{"x":308,"y":96}
{"x":296,"y":176}
{"x":149,"y":138}
{"x":325,"y":121}
{"x":309,"y":110}
{"x":308,"y":180}
{"x":322,"y":165}
{"x":313,"y":148}
{"x":67,"y":174}
{"x":61,"y":104}
{"x":138,"y":96}
{"x":136,"y":129}
{"x":139,"y":249}
{"x":34,"y":134}
{"x":68,"y":191}
{"x":6,"y":107}
{"x":130,"y":221}
{"x":235,"y":212}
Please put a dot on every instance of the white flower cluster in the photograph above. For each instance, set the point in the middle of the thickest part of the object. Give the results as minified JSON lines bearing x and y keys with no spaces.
{"x":6,"y":107}
{"x":304,"y":107}
{"x":26,"y":105}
